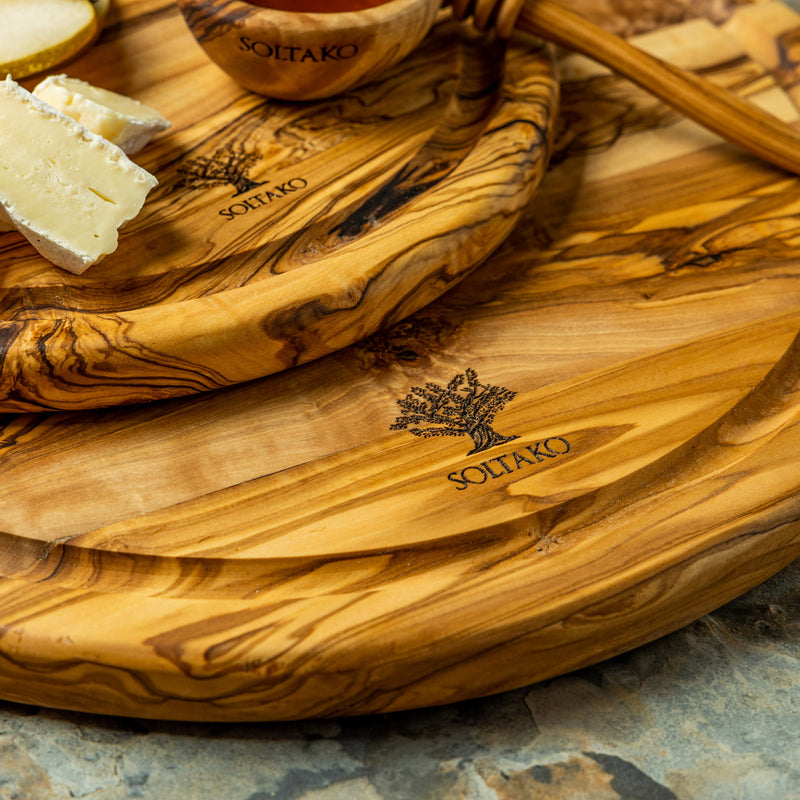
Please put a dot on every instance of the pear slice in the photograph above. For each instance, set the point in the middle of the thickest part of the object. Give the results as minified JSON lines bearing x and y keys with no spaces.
{"x":36,"y":35}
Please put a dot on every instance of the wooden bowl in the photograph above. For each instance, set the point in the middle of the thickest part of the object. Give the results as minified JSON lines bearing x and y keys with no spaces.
{"x":291,"y":55}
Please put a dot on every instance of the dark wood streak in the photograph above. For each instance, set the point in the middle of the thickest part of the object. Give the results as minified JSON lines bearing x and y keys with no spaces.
{"x":465,"y":119}
{"x":230,"y":15}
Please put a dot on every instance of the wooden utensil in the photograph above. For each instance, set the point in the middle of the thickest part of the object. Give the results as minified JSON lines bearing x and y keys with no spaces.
{"x":735,"y":120}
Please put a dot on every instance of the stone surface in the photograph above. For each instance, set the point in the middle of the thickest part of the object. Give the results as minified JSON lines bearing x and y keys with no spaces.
{"x":708,"y":713}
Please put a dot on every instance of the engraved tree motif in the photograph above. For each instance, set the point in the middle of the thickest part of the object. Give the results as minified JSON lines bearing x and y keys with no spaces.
{"x":229,"y":164}
{"x":465,"y":407}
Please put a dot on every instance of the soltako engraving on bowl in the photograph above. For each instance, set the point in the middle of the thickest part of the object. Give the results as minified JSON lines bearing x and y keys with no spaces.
{"x":307,"y":55}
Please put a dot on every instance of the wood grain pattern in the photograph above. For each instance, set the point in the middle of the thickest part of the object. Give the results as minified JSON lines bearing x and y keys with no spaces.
{"x":289,"y":548}
{"x":279,"y":232}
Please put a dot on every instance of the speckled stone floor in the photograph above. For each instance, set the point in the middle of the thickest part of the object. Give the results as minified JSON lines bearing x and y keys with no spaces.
{"x":711,"y":712}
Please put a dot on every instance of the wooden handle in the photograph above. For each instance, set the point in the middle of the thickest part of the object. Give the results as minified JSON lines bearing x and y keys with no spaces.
{"x":735,"y":120}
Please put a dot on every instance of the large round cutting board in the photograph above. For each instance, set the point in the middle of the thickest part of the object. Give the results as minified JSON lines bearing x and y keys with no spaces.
{"x":279,"y":232}
{"x":592,"y":440}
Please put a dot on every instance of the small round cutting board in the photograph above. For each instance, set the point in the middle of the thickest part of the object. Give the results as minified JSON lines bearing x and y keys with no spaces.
{"x":279,"y":232}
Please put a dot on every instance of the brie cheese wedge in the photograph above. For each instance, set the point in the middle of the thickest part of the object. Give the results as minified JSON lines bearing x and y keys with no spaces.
{"x":64,"y":188}
{"x":122,"y":120}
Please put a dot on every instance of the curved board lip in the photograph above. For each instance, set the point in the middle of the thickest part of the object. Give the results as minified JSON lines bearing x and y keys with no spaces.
{"x":355,"y":265}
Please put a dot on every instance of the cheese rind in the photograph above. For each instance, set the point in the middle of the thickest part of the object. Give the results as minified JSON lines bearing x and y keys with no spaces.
{"x":122,"y":120}
{"x":64,"y":188}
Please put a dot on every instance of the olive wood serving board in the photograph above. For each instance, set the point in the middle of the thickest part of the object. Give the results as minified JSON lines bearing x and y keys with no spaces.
{"x":279,"y":232}
{"x":590,"y":441}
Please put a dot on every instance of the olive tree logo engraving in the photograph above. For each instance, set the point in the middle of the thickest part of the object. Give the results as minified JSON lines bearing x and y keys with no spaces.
{"x":228,"y":164}
{"x":465,"y":407}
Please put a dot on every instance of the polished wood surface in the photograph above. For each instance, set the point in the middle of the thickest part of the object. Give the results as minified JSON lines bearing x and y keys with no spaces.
{"x":591,"y":440}
{"x":279,"y":232}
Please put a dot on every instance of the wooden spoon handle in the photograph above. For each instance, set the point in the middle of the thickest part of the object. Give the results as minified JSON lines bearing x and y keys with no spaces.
{"x":717,"y":109}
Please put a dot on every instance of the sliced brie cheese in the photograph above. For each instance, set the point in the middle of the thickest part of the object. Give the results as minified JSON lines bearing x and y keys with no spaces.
{"x":65,"y":189}
{"x":120,"y":119}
